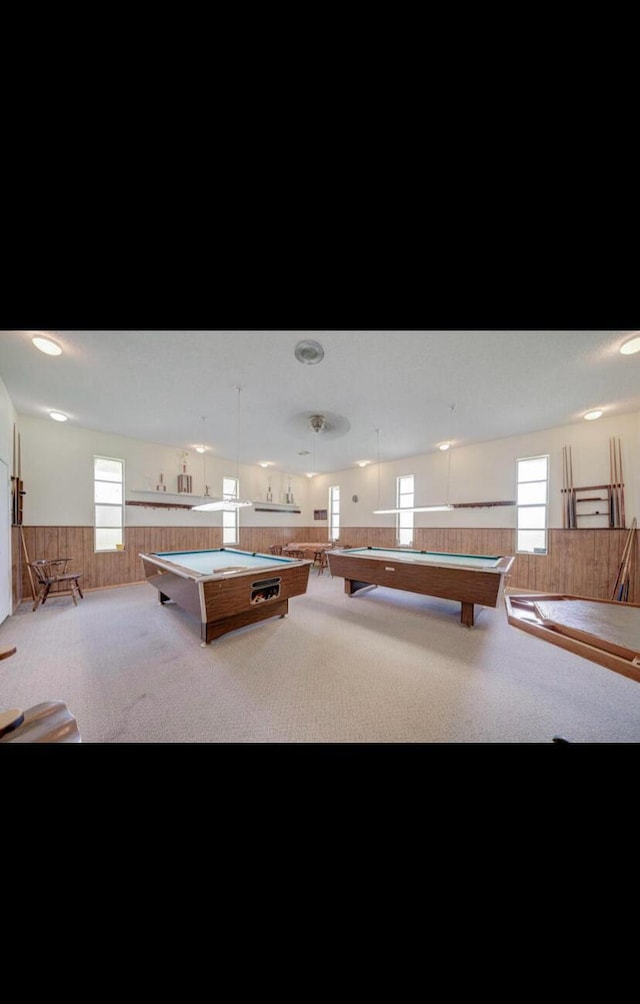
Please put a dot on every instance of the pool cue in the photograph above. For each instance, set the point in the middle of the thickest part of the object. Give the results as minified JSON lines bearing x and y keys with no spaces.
{"x":572,"y":501}
{"x":614,"y":491}
{"x":616,"y":584}
{"x":564,"y":490}
{"x":616,"y":482}
{"x":611,"y":484}
{"x":624,"y":564}
{"x":567,"y":495}
{"x":622,"y":487}
{"x":20,"y":491}
{"x":14,"y":480}
{"x":624,"y":579}
{"x":26,"y":557}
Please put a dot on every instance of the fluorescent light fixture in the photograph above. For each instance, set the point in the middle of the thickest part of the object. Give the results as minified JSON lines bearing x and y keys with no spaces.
{"x":57,"y":416}
{"x":363,"y":463}
{"x":415,"y":508}
{"x":200,"y":449}
{"x":444,"y":446}
{"x":631,"y":345}
{"x":591,"y":415}
{"x":47,"y":345}
{"x":218,"y":505}
{"x":267,"y":463}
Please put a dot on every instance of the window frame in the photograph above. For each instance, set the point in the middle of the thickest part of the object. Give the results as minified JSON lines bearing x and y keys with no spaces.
{"x":533,"y":505}
{"x":334,"y":512}
{"x":407,"y":517}
{"x":230,"y":517}
{"x":113,"y":505}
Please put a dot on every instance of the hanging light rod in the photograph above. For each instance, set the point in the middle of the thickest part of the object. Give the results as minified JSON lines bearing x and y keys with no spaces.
{"x":228,"y":502}
{"x":440,"y":507}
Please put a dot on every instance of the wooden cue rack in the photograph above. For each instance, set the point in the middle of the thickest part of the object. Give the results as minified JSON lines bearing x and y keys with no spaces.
{"x":606,"y":501}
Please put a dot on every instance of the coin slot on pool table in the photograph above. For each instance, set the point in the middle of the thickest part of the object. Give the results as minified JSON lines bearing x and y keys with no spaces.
{"x":265,"y":589}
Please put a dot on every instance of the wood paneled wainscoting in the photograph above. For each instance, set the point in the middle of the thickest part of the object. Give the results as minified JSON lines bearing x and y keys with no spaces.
{"x":579,"y":562}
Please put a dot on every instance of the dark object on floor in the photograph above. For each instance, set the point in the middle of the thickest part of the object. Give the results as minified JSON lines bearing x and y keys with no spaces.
{"x":53,"y":572}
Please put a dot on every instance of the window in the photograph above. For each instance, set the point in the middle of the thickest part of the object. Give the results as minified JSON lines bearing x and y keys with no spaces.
{"x":532,"y":500}
{"x":230,"y":517}
{"x":108,"y":503}
{"x":404,"y":520}
{"x":334,"y":512}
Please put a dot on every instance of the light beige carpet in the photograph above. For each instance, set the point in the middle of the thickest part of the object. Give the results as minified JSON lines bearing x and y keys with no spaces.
{"x":381,"y":667}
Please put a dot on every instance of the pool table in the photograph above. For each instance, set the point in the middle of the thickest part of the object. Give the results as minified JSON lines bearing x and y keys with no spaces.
{"x":468,"y":578}
{"x":226,"y":588}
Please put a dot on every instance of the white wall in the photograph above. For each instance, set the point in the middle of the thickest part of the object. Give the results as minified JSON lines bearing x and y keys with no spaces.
{"x":486,"y":472}
{"x":57,"y":468}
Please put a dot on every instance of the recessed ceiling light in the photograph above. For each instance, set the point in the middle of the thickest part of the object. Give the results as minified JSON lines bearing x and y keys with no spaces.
{"x":267,"y":463}
{"x":444,"y":446}
{"x":362,"y":463}
{"x":591,"y":415}
{"x":57,"y":416}
{"x":200,"y":449}
{"x":309,"y":352}
{"x":47,"y":345}
{"x":631,"y":345}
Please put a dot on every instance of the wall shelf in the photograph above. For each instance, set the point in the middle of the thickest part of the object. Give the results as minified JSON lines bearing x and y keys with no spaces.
{"x":480,"y":505}
{"x":164,"y":500}
{"x":276,"y":507}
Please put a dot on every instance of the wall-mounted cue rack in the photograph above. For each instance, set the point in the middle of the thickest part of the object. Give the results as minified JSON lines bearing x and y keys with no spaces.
{"x":604,"y":501}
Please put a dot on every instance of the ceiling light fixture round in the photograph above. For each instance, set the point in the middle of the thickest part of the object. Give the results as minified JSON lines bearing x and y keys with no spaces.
{"x":631,"y":345}
{"x":591,"y":415}
{"x":47,"y":345}
{"x":57,"y":416}
{"x":309,"y":352}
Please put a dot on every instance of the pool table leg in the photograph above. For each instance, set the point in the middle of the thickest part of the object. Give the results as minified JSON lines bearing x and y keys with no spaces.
{"x":466,"y":616}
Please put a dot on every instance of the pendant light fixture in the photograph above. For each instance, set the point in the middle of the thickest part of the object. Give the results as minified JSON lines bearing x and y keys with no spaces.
{"x":443,"y":507}
{"x":228,"y":502}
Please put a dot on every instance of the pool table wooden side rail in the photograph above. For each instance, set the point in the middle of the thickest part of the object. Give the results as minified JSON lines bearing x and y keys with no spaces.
{"x":465,"y":585}
{"x":223,"y":604}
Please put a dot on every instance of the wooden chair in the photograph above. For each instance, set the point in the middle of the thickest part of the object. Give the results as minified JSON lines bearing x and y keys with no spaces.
{"x":53,"y":572}
{"x":323,"y":561}
{"x":276,"y":549}
{"x":294,"y":552}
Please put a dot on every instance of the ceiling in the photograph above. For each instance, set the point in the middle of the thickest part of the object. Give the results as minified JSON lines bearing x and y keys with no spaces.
{"x":160,"y":385}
